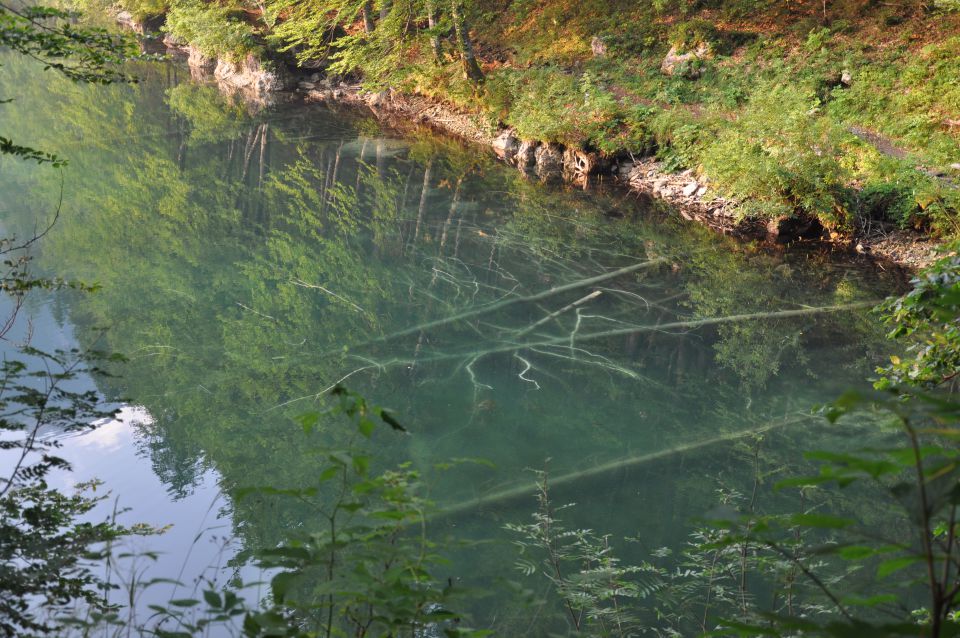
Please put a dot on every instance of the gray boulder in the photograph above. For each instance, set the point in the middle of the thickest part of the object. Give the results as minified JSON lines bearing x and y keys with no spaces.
{"x":506,"y":145}
{"x":526,"y":155}
{"x":686,"y":64}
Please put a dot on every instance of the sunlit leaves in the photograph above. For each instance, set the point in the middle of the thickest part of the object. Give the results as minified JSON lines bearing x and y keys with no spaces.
{"x":928,"y":319}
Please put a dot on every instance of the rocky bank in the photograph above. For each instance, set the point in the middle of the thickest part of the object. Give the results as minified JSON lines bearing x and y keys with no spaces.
{"x":262,"y":81}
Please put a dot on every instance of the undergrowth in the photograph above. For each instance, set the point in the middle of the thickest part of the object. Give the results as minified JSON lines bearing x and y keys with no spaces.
{"x":846,"y":111}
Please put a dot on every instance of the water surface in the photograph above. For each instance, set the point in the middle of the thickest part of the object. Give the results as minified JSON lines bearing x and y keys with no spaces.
{"x":251,"y":259}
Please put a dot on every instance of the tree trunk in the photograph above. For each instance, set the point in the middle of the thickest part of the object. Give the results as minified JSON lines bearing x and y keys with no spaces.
{"x":435,"y":37}
{"x":471,"y":68}
{"x":421,"y":210}
{"x":368,"y":16}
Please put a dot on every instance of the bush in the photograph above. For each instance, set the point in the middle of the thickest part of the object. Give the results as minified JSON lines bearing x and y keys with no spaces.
{"x":211,"y":28}
{"x":634,"y":38}
{"x":689,"y":34}
{"x":144,"y":9}
{"x":781,"y":158}
{"x":550,"y":105}
{"x":889,"y":201}
{"x":678,"y":136}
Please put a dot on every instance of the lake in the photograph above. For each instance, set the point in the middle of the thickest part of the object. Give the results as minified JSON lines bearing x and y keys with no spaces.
{"x":250,"y":259}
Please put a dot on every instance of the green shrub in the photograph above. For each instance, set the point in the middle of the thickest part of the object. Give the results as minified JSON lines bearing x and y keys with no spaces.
{"x":889,"y":201}
{"x":939,"y":207}
{"x":144,"y":9}
{"x":818,"y":39}
{"x":689,"y":34}
{"x":537,"y":102}
{"x":211,"y":28}
{"x":634,"y":38}
{"x":550,"y":105}
{"x":678,"y":136}
{"x":782,"y":158}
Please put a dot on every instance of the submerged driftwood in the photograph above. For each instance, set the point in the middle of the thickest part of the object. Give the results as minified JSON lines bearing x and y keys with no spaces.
{"x":527,"y":490}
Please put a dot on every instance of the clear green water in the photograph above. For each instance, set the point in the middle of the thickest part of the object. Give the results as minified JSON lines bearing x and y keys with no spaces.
{"x":250,"y":260}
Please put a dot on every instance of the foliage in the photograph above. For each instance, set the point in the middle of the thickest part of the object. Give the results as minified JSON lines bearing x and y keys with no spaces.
{"x":217,"y":31}
{"x":919,"y":480}
{"x":51,"y":36}
{"x":50,"y":558}
{"x":783,"y":159}
{"x":688,"y":35}
{"x":596,"y":590}
{"x":711,"y":583}
{"x":50,"y":551}
{"x":367,"y":570}
{"x":928,"y":318}
{"x":375,"y":38}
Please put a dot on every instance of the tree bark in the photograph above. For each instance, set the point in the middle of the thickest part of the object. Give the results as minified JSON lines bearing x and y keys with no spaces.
{"x":368,"y":16}
{"x":471,"y":68}
{"x":432,"y":21}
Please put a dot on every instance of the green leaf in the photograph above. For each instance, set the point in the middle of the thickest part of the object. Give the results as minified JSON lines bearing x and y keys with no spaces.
{"x":329,"y":473}
{"x":366,"y":427}
{"x":308,"y":421}
{"x":870,"y":601}
{"x":392,"y":422}
{"x":361,"y":464}
{"x":281,"y":584}
{"x":822,"y":521}
{"x":893,"y":565}
{"x":212,"y":598}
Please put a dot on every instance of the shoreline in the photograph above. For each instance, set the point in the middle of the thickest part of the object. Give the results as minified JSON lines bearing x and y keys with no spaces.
{"x":259,"y":82}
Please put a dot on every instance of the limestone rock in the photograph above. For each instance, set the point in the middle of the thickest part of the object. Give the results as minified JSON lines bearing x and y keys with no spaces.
{"x":688,"y":64}
{"x":579,"y":163}
{"x":690,"y":189}
{"x":252,"y":74}
{"x":380,"y":99}
{"x":526,"y":154}
{"x":198,"y":60}
{"x":549,"y":158}
{"x":171,"y":42}
{"x":598,"y":46}
{"x":506,"y":145}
